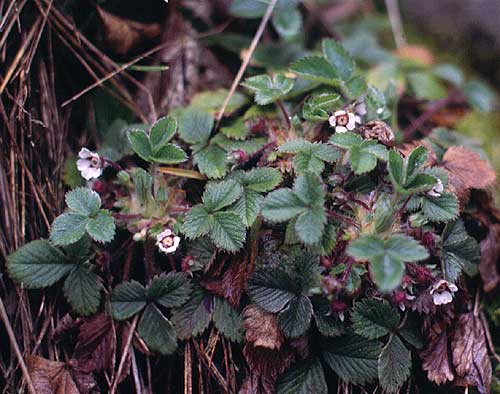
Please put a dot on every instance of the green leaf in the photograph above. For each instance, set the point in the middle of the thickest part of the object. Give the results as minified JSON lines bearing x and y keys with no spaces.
{"x":372,"y":318}
{"x":310,"y":190}
{"x":346,"y":140}
{"x":352,"y":358}
{"x":440,"y":209}
{"x":426,"y":86}
{"x":416,"y":159}
{"x":162,"y":132}
{"x":310,"y":156}
{"x":218,"y":195}
{"x":361,"y":162}
{"x":193,"y":317}
{"x":83,"y":201}
{"x":171,"y":290}
{"x":310,"y":225}
{"x":38,"y":264}
{"x":317,"y":69}
{"x":410,"y":332}
{"x":248,"y":206}
{"x":287,"y":21}
{"x":211,"y":101}
{"x":327,"y":323}
{"x":480,"y":96}
{"x":267,"y":89}
{"x":228,"y":231}
{"x":157,"y":331}
{"x":227,"y":320}
{"x":102,"y":227}
{"x":68,"y":228}
{"x":82,"y":288}
{"x":393,"y":365}
{"x":305,"y":378}
{"x":169,"y":154}
{"x":281,"y":205}
{"x":139,"y":142}
{"x":459,"y":250}
{"x":295,"y":319}
{"x":449,"y":73}
{"x":197,"y":223}
{"x":259,"y":179}
{"x":272,"y":290}
{"x":339,"y":58}
{"x":211,"y":161}
{"x":195,"y":125}
{"x":127,"y":299}
{"x":238,"y":130}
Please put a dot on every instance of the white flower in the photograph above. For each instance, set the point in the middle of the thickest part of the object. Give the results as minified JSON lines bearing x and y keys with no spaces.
{"x":89,"y":164}
{"x":437,"y":189}
{"x":343,"y":121}
{"x":442,"y":292}
{"x":167,"y":241}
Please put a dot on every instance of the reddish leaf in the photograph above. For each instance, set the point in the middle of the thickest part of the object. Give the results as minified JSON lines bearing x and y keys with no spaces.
{"x":490,"y":252}
{"x":470,"y":354}
{"x":436,"y":360}
{"x":268,"y":363}
{"x":261,"y":328}
{"x":255,"y":384}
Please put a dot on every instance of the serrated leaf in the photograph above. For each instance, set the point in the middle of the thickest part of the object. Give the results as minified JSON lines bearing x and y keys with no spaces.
{"x":218,"y":195}
{"x":195,"y":125}
{"x":68,"y":228}
{"x":248,"y":206}
{"x":197,"y":223}
{"x":83,"y":201}
{"x":305,"y":378}
{"x":82,"y":288}
{"x":162,"y":132}
{"x":102,"y":227}
{"x":310,"y":190}
{"x":127,"y":299}
{"x":139,"y":142}
{"x":228,"y":231}
{"x":440,"y":209}
{"x":271,"y":289}
{"x":192,"y":318}
{"x":38,"y":264}
{"x":353,"y":358}
{"x":316,"y":68}
{"x":338,"y":57}
{"x":157,"y":331}
{"x":259,"y":179}
{"x":372,"y":318}
{"x":227,"y":320}
{"x":396,"y":168}
{"x":346,"y":140}
{"x":171,"y":290}
{"x":281,"y":205}
{"x":169,"y":154}
{"x":326,"y":322}
{"x":310,"y":225}
{"x":238,"y":130}
{"x":393,"y":365}
{"x":361,"y":162}
{"x":363,"y":154}
{"x":211,"y":161}
{"x":416,"y":159}
{"x":295,"y":319}
{"x":267,"y":89}
{"x":309,"y":156}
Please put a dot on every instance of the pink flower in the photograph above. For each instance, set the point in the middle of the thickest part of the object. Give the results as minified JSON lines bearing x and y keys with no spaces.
{"x":89,"y":164}
{"x":442,"y":292}
{"x":167,"y":241}
{"x":343,"y":121}
{"x":437,"y":189}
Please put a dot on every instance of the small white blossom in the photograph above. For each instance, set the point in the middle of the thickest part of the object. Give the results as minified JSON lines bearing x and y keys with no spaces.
{"x":437,"y":189}
{"x":167,"y":242}
{"x":89,"y":164}
{"x":442,"y":292}
{"x":343,"y":121}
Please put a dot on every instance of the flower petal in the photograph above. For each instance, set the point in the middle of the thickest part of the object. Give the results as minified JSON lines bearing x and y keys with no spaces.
{"x":352,"y":122}
{"x":340,"y":113}
{"x":84,"y":153}
{"x":332,"y":120}
{"x":340,"y":129}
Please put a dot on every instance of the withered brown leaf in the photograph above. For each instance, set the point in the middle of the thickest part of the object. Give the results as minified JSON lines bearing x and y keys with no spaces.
{"x":261,"y":328}
{"x":490,"y":252}
{"x":266,"y":362}
{"x":436,"y":360}
{"x":470,"y":354}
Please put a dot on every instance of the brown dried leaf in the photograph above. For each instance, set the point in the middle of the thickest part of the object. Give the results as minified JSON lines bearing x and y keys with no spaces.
{"x":470,"y":353}
{"x":95,"y":344}
{"x":123,"y":35}
{"x":261,"y":328}
{"x":436,"y":360}
{"x":255,"y":384}
{"x":377,"y":130}
{"x":267,"y":363}
{"x":490,"y":252}
{"x":468,"y":167}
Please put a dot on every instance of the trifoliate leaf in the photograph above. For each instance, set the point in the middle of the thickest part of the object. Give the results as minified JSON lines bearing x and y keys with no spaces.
{"x":157,"y":331}
{"x":211,"y":161}
{"x":393,"y":365}
{"x":248,"y":206}
{"x":238,"y":130}
{"x":249,"y":146}
{"x":346,"y":140}
{"x":295,"y":319}
{"x":317,"y":69}
{"x":303,"y":379}
{"x":171,"y":290}
{"x":338,"y":57}
{"x":259,"y":179}
{"x":271,"y":289}
{"x":218,"y":195}
{"x":327,"y":323}
{"x":310,"y":225}
{"x":68,"y":228}
{"x":416,"y":160}
{"x":310,"y":156}
{"x":228,"y":231}
{"x":352,"y":358}
{"x":440,"y":209}
{"x":267,"y":89}
{"x":169,"y":154}
{"x":198,"y":222}
{"x":407,"y":176}
{"x":38,"y":264}
{"x":282,"y":205}
{"x":310,"y":190}
{"x":127,"y":299}
{"x":372,"y":318}
{"x":195,"y":125}
{"x":82,"y":288}
{"x":191,"y":319}
{"x":162,"y":132}
{"x":139,"y":142}
{"x":83,"y":201}
{"x":102,"y":227}
{"x":227,"y":320}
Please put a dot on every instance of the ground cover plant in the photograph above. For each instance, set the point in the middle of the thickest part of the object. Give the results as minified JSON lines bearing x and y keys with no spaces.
{"x":322,"y":228}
